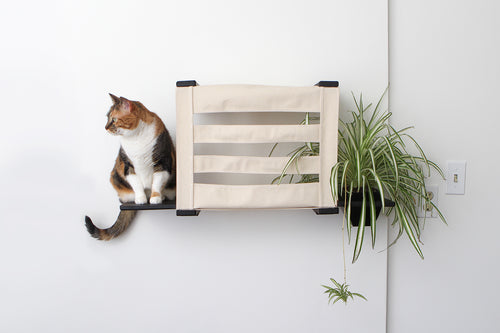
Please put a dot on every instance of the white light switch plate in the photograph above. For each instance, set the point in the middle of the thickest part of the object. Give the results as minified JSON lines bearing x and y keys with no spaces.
{"x":455,"y":177}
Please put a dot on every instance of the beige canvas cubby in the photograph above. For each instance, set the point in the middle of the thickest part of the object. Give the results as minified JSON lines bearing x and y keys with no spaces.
{"x":192,"y":99}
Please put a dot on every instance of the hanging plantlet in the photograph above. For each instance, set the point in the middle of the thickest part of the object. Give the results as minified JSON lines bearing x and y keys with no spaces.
{"x":340,"y":293}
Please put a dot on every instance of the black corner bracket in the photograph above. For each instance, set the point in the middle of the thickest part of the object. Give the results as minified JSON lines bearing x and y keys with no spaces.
{"x":190,"y":83}
{"x":328,"y":84}
{"x":326,"y":211}
{"x":186,"y":212}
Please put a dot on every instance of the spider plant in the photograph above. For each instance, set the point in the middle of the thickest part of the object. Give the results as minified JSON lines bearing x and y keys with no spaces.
{"x":340,"y":292}
{"x":373,"y":159}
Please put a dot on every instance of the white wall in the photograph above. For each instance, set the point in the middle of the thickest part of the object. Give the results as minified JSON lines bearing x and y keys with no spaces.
{"x":219,"y":272}
{"x":444,"y":74}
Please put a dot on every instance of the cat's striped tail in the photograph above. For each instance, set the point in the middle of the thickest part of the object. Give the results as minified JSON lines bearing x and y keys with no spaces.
{"x":122,"y":222}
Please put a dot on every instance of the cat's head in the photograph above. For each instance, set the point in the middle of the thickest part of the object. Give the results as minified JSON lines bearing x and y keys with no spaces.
{"x":122,"y":118}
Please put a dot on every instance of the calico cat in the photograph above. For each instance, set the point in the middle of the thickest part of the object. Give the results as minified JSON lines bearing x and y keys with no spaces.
{"x":145,"y":164}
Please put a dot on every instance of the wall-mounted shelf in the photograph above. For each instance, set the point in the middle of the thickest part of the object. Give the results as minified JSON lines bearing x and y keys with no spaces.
{"x":170,"y":204}
{"x":193,"y":100}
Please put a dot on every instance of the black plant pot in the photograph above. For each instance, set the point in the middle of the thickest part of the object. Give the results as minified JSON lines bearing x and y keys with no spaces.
{"x":357,"y":202}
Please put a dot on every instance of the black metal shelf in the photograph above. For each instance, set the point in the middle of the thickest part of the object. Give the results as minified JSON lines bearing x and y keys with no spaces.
{"x":168,"y":204}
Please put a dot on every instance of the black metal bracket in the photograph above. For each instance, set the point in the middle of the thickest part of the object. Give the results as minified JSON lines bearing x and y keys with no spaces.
{"x":190,"y":83}
{"x":328,"y":84}
{"x":326,"y":211}
{"x":186,"y":212}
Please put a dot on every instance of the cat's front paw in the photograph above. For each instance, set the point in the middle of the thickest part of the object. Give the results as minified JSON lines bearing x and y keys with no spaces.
{"x":141,"y":199}
{"x":156,"y":198}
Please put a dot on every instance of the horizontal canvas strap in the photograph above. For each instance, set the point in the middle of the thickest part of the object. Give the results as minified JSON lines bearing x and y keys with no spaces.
{"x":208,"y":196}
{"x":255,"y":165}
{"x":255,"y":98}
{"x":255,"y":133}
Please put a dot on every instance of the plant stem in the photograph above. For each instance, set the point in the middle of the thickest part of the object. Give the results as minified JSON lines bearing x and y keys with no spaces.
{"x":343,"y":234}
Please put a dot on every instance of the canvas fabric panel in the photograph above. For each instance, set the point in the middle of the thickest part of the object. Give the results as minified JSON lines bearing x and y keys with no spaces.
{"x":184,"y":151}
{"x":255,"y":133}
{"x":248,"y":98}
{"x":328,"y":142}
{"x":255,"y":196}
{"x":254,"y":165}
{"x":245,"y":98}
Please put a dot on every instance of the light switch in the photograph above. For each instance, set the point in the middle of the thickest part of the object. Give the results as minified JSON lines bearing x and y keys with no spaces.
{"x":455,"y":177}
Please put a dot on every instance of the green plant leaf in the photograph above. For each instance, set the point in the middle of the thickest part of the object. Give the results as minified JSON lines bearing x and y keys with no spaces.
{"x":334,"y":182}
{"x":408,"y":229}
{"x":272,"y":150}
{"x":344,"y":175}
{"x":294,"y":156}
{"x":380,"y":187}
{"x":359,"y":295}
{"x":361,"y":227}
{"x":338,"y":285}
{"x":347,"y":208}
{"x":373,"y":217}
{"x":395,"y":168}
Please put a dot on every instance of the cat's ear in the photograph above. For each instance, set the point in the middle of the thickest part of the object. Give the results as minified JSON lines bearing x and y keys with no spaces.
{"x":115,"y":99}
{"x":125,"y":105}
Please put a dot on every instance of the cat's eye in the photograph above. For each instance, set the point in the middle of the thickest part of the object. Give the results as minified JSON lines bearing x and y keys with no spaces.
{"x":113,"y":119}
